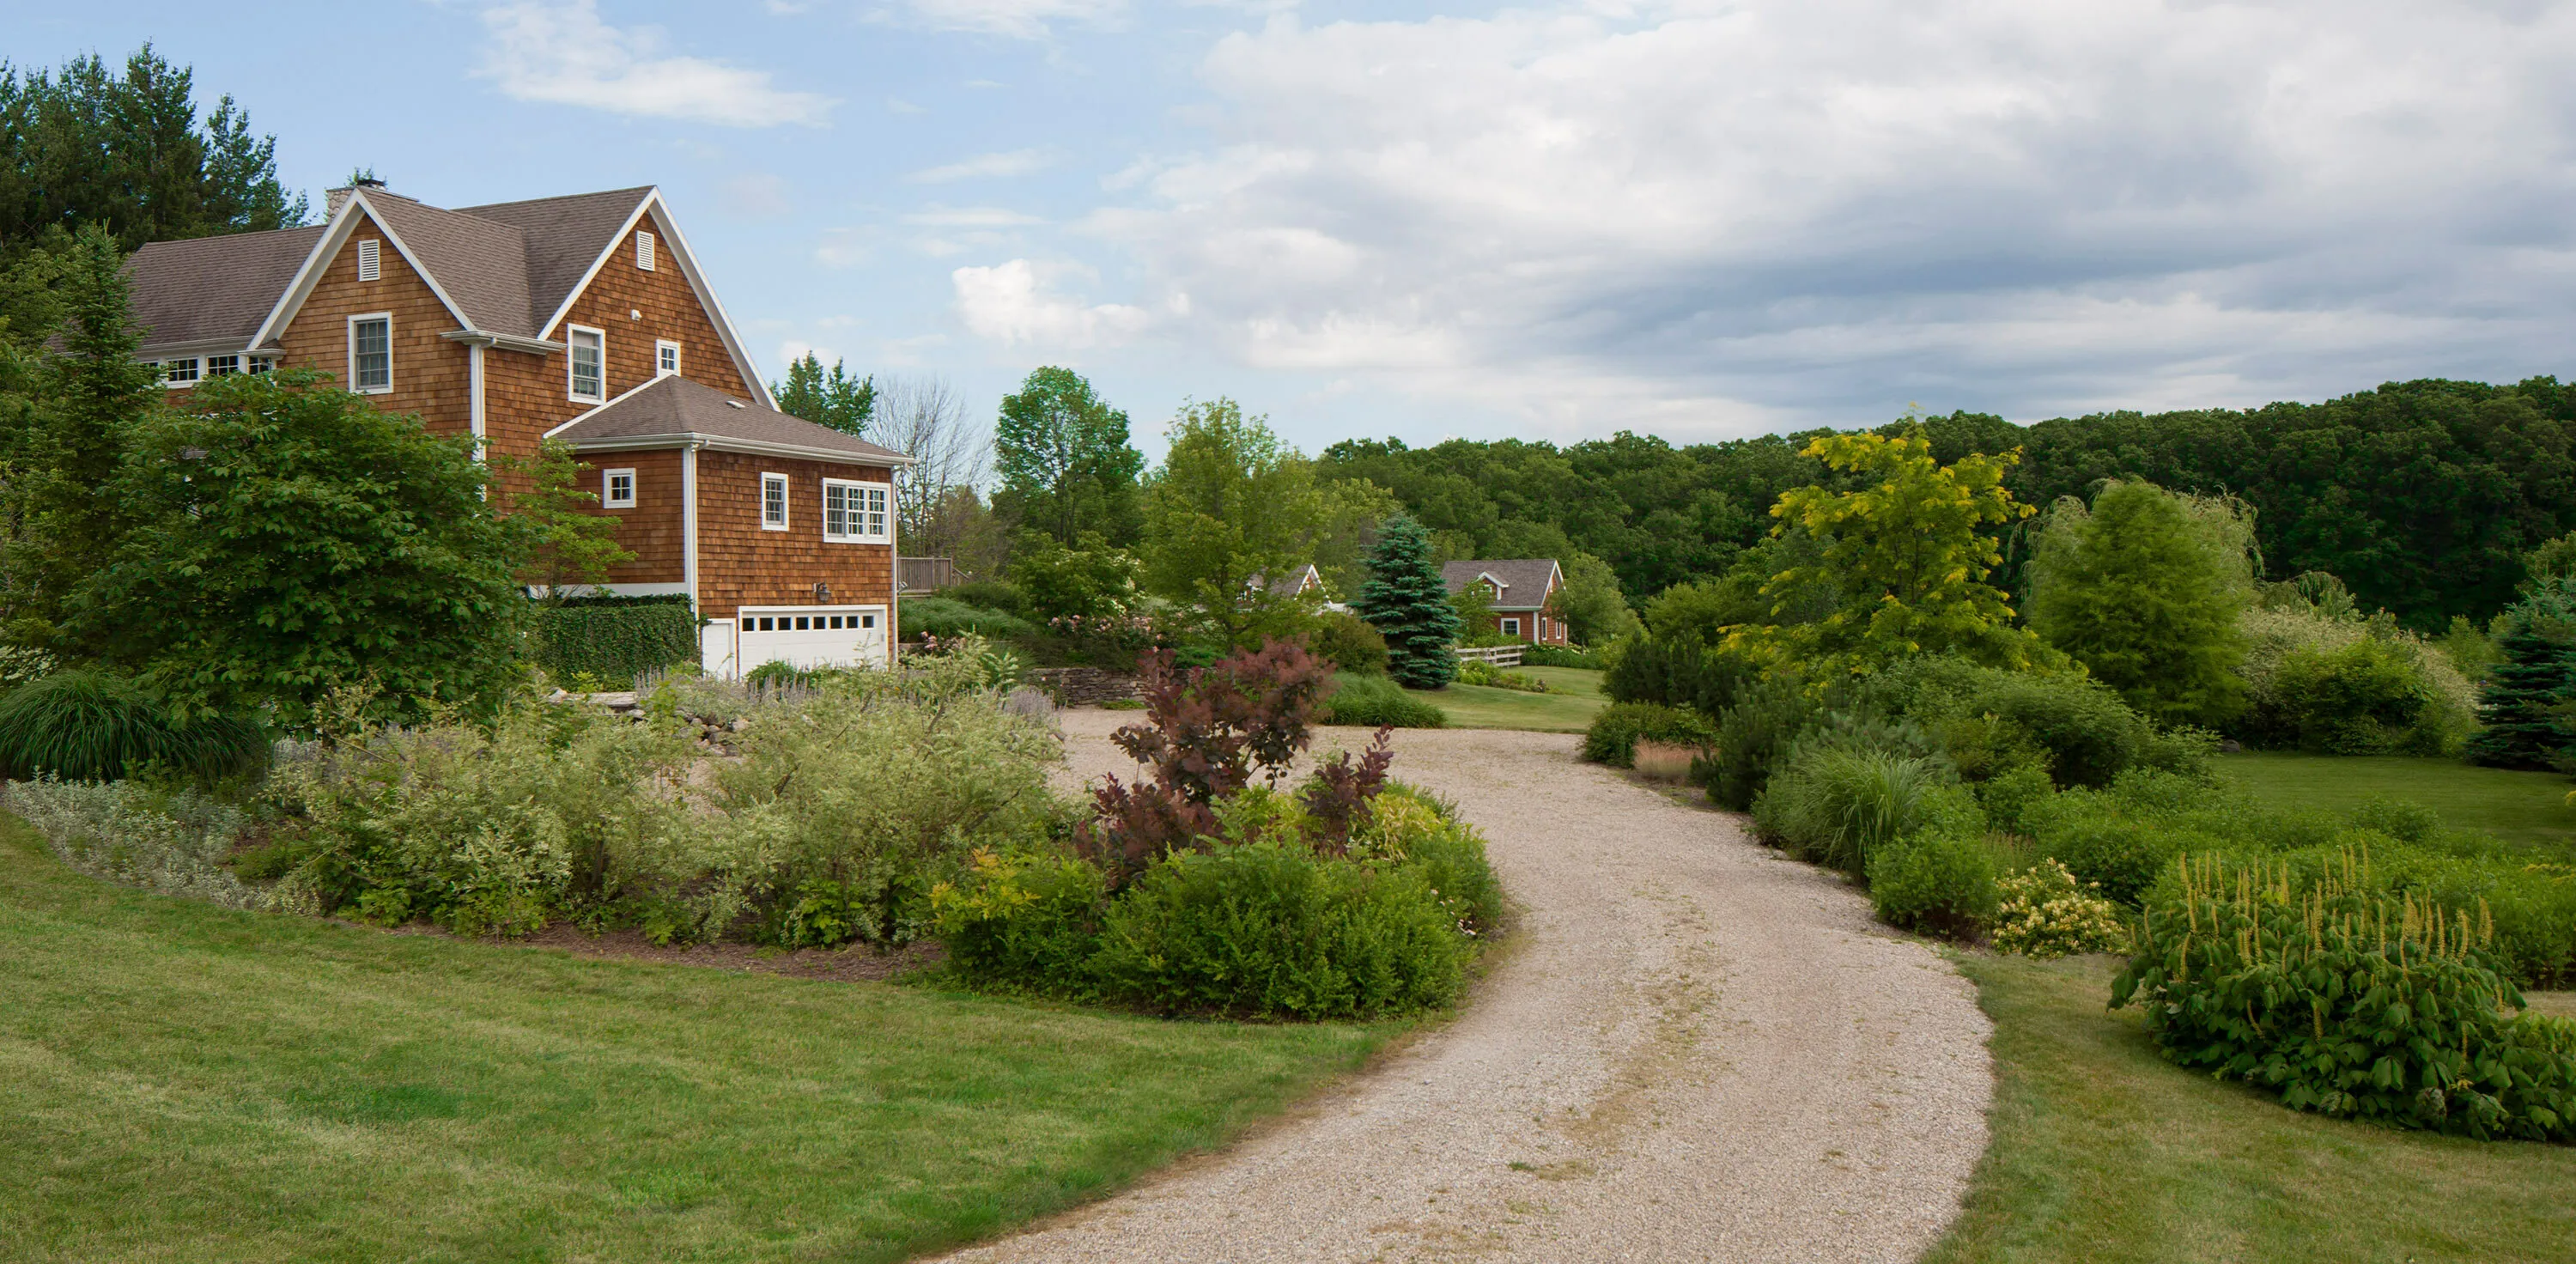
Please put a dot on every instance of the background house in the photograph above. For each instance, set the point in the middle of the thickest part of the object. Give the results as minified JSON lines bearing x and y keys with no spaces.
{"x":1520,"y":591}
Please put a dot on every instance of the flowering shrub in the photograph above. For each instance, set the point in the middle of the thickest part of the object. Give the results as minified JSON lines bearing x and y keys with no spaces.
{"x":2347,"y":1001}
{"x":2045,"y":913}
{"x":123,"y":831}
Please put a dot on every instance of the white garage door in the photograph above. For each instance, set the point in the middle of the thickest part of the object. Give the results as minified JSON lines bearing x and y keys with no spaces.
{"x":811,"y":636}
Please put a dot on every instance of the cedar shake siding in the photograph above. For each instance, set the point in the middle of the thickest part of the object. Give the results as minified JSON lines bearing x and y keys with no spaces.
{"x":739,"y":564}
{"x":430,"y":372}
{"x":655,"y":530}
{"x":671,"y":311}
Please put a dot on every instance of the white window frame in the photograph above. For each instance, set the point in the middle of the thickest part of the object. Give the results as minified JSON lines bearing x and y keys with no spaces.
{"x":259,"y":364}
{"x":608,"y":497}
{"x":572,"y":372}
{"x":780,"y":523}
{"x":1511,"y":624}
{"x":360,"y":319}
{"x":883,"y":511}
{"x":662,"y":367}
{"x":643,"y":251}
{"x":222,"y":365}
{"x":371,"y":259}
{"x":171,"y":367}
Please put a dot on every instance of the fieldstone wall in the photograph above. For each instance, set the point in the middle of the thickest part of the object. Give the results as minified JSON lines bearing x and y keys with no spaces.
{"x":1084,"y":686}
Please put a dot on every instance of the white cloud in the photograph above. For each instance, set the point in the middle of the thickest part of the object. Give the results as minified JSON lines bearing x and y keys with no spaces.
{"x":565,"y":54}
{"x":1017,"y":162}
{"x":1013,"y":304}
{"x":1018,"y":19}
{"x":1740,"y":210}
{"x":970,"y":217}
{"x":757,"y":195}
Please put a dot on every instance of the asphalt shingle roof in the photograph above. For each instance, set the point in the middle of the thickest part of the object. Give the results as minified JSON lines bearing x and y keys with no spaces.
{"x":1524,"y":579}
{"x":508,"y":266}
{"x":676,"y":406}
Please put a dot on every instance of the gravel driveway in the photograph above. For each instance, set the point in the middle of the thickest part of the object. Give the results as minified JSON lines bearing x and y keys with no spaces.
{"x":1688,"y":1050}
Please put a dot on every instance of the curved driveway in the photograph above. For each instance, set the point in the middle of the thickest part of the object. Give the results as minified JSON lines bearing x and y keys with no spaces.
{"x":1688,"y":1050}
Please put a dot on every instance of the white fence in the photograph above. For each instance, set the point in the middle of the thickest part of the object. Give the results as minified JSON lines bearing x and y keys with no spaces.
{"x":1492,"y":655}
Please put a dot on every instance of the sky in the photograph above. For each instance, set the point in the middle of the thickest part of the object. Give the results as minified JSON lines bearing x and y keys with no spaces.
{"x":1699,"y":220}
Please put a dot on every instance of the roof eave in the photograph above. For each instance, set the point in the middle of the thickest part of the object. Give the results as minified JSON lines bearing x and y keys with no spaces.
{"x":729,"y":443}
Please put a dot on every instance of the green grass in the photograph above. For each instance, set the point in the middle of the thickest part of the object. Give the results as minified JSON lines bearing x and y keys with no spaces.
{"x":1568,"y":710}
{"x":178,"y":1082}
{"x":2520,"y":807}
{"x":2104,"y":1152}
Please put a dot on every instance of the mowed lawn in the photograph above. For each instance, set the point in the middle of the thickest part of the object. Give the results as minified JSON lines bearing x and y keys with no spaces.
{"x":2104,"y":1152}
{"x":2529,"y":808}
{"x":178,"y":1082}
{"x":1569,"y":708}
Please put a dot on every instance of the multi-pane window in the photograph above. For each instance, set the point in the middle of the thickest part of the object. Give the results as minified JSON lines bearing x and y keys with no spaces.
{"x":773,"y":502}
{"x":222,"y":365}
{"x":854,"y":512}
{"x":617,"y":489}
{"x":371,"y":354}
{"x":644,"y":251}
{"x":666,"y":358}
{"x":179,"y":372}
{"x":370,"y":260}
{"x":261,"y":364}
{"x":589,"y":353}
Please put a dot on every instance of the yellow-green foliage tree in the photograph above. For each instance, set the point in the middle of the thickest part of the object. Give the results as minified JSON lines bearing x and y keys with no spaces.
{"x":1908,"y":556}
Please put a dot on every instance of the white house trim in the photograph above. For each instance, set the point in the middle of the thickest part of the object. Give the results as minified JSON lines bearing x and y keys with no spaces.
{"x":350,"y":331}
{"x":689,"y":521}
{"x":506,"y":342}
{"x":726,"y":443}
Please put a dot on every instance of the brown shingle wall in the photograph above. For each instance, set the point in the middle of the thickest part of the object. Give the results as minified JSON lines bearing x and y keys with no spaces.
{"x":526,"y":395}
{"x":429,"y":371}
{"x":670,"y":310}
{"x":739,"y":564}
{"x":654,"y":530}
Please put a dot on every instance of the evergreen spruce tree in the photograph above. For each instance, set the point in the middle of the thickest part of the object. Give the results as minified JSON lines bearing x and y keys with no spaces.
{"x":2525,"y":702}
{"x":1409,"y":606}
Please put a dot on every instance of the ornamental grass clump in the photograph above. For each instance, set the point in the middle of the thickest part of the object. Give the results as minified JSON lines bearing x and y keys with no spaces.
{"x":2044,"y":912}
{"x":2348,"y":1001}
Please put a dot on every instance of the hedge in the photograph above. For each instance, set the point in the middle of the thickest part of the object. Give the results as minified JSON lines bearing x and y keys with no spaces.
{"x":615,"y":638}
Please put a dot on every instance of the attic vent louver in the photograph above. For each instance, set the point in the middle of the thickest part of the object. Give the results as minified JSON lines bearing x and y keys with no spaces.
{"x":644,"y":251}
{"x":370,"y":259}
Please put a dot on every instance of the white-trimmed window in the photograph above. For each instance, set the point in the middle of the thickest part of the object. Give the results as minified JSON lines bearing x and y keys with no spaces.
{"x":587,"y":366}
{"x":223,"y":365}
{"x":617,"y":489}
{"x":181,"y":372}
{"x":854,"y":513}
{"x":371,"y":259}
{"x":773,"y":502}
{"x":644,"y":251}
{"x":1511,"y":627}
{"x":666,"y":357}
{"x":371,"y":353}
{"x":261,"y":364}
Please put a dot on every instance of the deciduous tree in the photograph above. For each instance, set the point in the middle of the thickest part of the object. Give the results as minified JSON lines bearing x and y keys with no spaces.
{"x":1230,"y":507}
{"x":1064,"y":460}
{"x":2147,"y":597}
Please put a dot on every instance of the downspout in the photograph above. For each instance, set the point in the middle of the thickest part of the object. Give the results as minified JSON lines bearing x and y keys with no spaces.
{"x":474,"y":390}
{"x":894,"y":570}
{"x":689,"y":526}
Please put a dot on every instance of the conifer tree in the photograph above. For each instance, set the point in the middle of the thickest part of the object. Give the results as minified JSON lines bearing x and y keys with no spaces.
{"x":1407,"y":603}
{"x":2524,"y":704}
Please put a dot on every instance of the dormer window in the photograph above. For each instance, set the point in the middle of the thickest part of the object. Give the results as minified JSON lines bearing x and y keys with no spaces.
{"x":588,"y":363}
{"x":643,"y":252}
{"x":370,"y":260}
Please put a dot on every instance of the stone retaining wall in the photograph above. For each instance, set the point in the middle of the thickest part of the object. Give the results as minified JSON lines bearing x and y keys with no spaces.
{"x":1084,"y":686}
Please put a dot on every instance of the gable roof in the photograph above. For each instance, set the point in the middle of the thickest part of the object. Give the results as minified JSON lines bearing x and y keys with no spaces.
{"x":1290,"y":582}
{"x":672,"y":411}
{"x":208,"y":289}
{"x":508,"y":270}
{"x":1525,"y":580}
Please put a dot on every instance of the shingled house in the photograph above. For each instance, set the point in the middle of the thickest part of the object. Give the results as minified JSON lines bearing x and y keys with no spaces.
{"x":1520,"y":591}
{"x":585,"y":319}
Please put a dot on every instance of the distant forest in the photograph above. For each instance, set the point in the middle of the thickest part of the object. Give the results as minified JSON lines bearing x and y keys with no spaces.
{"x":2421,"y":496}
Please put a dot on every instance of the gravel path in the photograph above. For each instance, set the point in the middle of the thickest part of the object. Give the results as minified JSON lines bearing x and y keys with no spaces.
{"x":1689,"y":1050}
